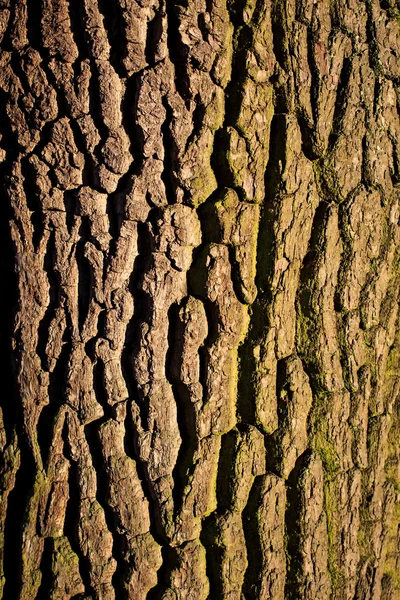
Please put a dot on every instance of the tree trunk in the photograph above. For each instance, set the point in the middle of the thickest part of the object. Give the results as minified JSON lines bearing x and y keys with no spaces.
{"x":201,"y":267}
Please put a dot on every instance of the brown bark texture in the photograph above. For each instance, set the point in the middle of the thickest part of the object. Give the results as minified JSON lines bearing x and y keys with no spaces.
{"x":200,"y":258}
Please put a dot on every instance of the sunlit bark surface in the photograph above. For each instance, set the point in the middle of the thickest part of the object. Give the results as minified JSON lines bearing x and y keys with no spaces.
{"x":200,"y":302}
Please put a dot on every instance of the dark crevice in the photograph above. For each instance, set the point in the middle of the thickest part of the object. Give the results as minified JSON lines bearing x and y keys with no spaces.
{"x":307,"y":136}
{"x":203,"y":27}
{"x":395,"y":170}
{"x":85,"y":281}
{"x":251,"y":530}
{"x":77,"y":28}
{"x":11,"y":402}
{"x":99,"y":389}
{"x":279,"y":35}
{"x":342,"y":92}
{"x":305,"y":340}
{"x":197,"y":120}
{"x":246,"y":407}
{"x":243,"y":42}
{"x":373,"y":49}
{"x":70,"y":208}
{"x":142,"y":313}
{"x":284,"y":396}
{"x":72,"y":517}
{"x":130,"y":445}
{"x":196,"y":287}
{"x":293,"y":588}
{"x":366,"y":177}
{"x":56,"y":390}
{"x":132,"y":337}
{"x":114,"y":206}
{"x":219,"y":161}
{"x":204,"y":359}
{"x":129,"y":437}
{"x":344,"y":351}
{"x":9,"y":297}
{"x":313,"y":66}
{"x":170,"y":562}
{"x":45,"y":588}
{"x":142,"y":308}
{"x":54,"y":300}
{"x":277,"y":159}
{"x":95,"y":111}
{"x":121,"y":568}
{"x":45,"y":134}
{"x":209,"y":6}
{"x":93,"y":440}
{"x":236,"y":8}
{"x":209,"y":537}
{"x":90,"y":345}
{"x":16,"y":511}
{"x":6,"y":43}
{"x":185,"y":411}
{"x":142,"y":404}
{"x":154,"y":33}
{"x":170,"y":154}
{"x":114,"y":27}
{"x":310,"y":261}
{"x":237,"y":282}
{"x":234,"y":89}
{"x":32,"y":201}
{"x":225,"y":474}
{"x":34,"y":23}
{"x":259,"y":313}
{"x":129,"y":111}
{"x":178,"y":51}
{"x":283,"y":388}
{"x":197,"y":279}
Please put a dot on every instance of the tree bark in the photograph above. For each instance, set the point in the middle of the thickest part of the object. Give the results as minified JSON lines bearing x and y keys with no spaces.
{"x":200,"y":308}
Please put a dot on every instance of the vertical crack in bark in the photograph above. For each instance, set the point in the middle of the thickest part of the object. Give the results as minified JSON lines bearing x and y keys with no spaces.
{"x":251,"y":529}
{"x":170,"y":154}
{"x":153,"y":37}
{"x":102,"y":492}
{"x":32,"y":202}
{"x":35,"y":12}
{"x":85,"y":274}
{"x":95,"y":109}
{"x":169,"y":556}
{"x":46,"y":569}
{"x":8,"y":301}
{"x":185,"y":413}
{"x":112,"y":19}
{"x":340,"y":104}
{"x":54,"y":299}
{"x":75,"y":11}
{"x":177,"y":51}
{"x":56,"y":392}
{"x":16,"y":511}
{"x":72,"y":515}
{"x":293,"y":585}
